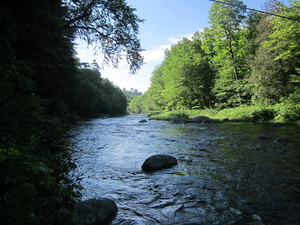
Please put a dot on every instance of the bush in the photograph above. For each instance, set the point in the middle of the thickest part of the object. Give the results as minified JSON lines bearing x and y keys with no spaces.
{"x":288,"y":110}
{"x":263,"y":115}
{"x":172,"y":115}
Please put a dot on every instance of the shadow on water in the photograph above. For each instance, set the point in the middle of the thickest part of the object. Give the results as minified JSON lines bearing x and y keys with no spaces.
{"x":228,"y":173}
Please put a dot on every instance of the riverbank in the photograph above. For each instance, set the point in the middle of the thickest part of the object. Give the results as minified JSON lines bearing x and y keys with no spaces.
{"x":241,"y":113}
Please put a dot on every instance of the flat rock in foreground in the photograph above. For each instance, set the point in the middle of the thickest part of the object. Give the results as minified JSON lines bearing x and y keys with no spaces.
{"x":158,"y":162}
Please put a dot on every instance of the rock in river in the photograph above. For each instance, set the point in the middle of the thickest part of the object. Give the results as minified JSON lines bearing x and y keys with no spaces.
{"x":158,"y":162}
{"x":96,"y":211}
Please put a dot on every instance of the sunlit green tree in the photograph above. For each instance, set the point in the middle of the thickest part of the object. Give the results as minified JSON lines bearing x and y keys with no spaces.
{"x":286,"y":40}
{"x":225,"y":41}
{"x":274,"y":67}
{"x":187,"y":75}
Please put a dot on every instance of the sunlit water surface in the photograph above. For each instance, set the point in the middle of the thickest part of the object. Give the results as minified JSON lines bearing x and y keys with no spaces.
{"x":225,"y":174}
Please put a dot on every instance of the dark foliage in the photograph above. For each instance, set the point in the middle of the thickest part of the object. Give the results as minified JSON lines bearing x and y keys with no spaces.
{"x":95,"y":96}
{"x":42,"y":88}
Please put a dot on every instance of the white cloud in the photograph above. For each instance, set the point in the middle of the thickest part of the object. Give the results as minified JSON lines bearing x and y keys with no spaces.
{"x":173,"y":40}
{"x":181,"y":36}
{"x":189,"y":36}
{"x":156,"y":54}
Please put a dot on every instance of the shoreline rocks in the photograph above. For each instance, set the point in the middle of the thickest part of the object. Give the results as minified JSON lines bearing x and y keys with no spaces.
{"x":201,"y":119}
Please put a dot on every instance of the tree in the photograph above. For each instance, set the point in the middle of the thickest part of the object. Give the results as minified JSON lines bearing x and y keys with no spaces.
{"x":110,"y":25}
{"x":184,"y":80}
{"x":39,"y":77}
{"x":286,"y":40}
{"x":225,"y":41}
{"x":155,"y":99}
{"x":136,"y":105}
{"x":270,"y":73}
{"x":95,"y":96}
{"x":131,"y":94}
{"x":187,"y":75}
{"x":286,"y":33}
{"x":33,"y":49}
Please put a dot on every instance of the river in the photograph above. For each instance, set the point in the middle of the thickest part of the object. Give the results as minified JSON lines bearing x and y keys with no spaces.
{"x":227,"y":173}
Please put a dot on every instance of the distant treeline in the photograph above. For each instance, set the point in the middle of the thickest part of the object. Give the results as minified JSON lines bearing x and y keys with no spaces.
{"x":131,"y":94}
{"x":242,"y":58}
{"x":43,"y":87}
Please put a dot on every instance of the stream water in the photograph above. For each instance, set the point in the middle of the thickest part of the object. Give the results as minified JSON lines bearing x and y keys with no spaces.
{"x":227,"y":173}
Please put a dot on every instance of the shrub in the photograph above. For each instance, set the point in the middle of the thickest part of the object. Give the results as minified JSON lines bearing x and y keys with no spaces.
{"x":263,"y":115}
{"x":171,"y":115}
{"x":288,"y":110}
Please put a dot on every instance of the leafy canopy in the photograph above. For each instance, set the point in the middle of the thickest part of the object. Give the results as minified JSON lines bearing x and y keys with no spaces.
{"x":109,"y":25}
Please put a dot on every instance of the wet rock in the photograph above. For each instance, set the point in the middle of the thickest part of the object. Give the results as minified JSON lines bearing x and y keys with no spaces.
{"x":282,"y":141}
{"x":263,"y":137}
{"x":95,"y":212}
{"x":164,"y":203}
{"x":170,"y":211}
{"x":257,"y":220}
{"x":158,"y":162}
{"x":201,"y":119}
{"x":143,"y":121}
{"x":178,"y":121}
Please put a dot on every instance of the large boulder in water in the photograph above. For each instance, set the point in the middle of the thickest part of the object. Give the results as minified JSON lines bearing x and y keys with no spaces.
{"x":96,"y":211}
{"x":143,"y":121}
{"x":158,"y":162}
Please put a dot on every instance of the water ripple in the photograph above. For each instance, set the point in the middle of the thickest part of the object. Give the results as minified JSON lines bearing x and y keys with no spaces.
{"x":225,"y":174}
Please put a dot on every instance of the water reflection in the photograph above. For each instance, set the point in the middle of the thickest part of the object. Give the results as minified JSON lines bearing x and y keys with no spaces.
{"x":225,"y":175}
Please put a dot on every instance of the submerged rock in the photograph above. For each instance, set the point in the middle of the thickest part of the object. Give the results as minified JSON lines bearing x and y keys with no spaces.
{"x":158,"y":162}
{"x":178,"y":121}
{"x":282,"y":141}
{"x":95,"y":212}
{"x":263,"y":137}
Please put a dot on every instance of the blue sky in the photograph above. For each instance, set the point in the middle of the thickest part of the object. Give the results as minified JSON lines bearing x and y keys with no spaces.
{"x":166,"y":22}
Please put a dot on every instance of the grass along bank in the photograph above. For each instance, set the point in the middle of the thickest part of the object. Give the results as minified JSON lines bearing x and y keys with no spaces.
{"x":276,"y":113}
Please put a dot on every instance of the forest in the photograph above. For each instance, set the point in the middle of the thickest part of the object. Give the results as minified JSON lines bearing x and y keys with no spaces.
{"x":247,"y":62}
{"x":243,"y":59}
{"x":44,"y":88}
